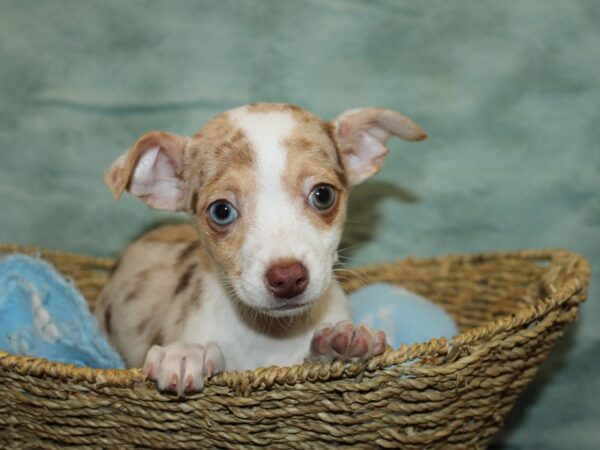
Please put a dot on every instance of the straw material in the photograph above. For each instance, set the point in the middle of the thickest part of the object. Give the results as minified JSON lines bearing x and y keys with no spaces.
{"x":511,"y":309}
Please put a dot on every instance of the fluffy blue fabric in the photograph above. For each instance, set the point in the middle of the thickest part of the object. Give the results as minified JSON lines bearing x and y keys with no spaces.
{"x":42,"y":315}
{"x":405,"y":317}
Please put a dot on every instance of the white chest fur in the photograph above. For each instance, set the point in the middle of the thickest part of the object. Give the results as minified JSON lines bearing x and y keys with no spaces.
{"x":248,"y":341}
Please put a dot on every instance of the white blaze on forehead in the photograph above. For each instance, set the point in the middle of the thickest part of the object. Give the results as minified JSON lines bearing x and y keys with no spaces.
{"x":266,"y":132}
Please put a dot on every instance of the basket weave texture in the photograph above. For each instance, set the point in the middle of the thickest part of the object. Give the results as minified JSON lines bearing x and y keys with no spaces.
{"x":511,"y":308}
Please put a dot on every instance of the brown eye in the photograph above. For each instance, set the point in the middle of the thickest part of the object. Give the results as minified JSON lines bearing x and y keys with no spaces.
{"x":322,"y":197}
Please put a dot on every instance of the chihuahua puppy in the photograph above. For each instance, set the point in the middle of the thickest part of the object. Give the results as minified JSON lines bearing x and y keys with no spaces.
{"x":251,"y":282}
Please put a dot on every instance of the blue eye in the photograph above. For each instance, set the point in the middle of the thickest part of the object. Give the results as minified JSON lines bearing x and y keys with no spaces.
{"x":222,"y":212}
{"x":322,"y":197}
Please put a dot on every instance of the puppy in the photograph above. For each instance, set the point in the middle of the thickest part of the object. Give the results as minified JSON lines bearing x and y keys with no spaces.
{"x":251,"y":282}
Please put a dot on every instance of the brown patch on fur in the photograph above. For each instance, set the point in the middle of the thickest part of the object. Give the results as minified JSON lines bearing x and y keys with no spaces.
{"x":238,"y":186}
{"x":329,"y":129}
{"x":139,"y":280}
{"x":319,"y":135}
{"x":130,"y":295}
{"x":205,"y":262}
{"x":239,"y":142}
{"x":302,"y":143}
{"x":107,"y":317}
{"x":184,"y":280}
{"x":224,"y":243}
{"x":188,"y":303}
{"x":218,"y":147}
{"x":157,"y":338}
{"x":312,"y":154}
{"x":115,"y":266}
{"x":182,"y":317}
{"x":171,"y":234}
{"x":340,"y":171}
{"x":221,"y":164}
{"x":187,"y":251}
{"x":220,"y":150}
{"x":194,"y":203}
{"x":143,"y":325}
{"x":100,"y":301}
{"x":195,"y":299}
{"x":178,"y":235}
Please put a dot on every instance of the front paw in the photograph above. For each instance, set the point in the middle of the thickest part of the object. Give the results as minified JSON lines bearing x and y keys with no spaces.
{"x":181,"y":368}
{"x":345,"y":341}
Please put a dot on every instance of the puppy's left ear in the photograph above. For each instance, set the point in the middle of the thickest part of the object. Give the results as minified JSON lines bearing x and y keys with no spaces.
{"x":152,"y":169}
{"x":361,"y":135}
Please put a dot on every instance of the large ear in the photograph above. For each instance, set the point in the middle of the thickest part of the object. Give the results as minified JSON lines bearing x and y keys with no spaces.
{"x":361,"y":135}
{"x":152,"y":169}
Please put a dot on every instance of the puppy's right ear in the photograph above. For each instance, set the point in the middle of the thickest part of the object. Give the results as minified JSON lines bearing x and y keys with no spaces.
{"x":152,"y":169}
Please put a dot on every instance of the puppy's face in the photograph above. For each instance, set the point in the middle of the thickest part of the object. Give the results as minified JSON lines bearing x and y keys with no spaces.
{"x":267,"y":186}
{"x":268,"y":193}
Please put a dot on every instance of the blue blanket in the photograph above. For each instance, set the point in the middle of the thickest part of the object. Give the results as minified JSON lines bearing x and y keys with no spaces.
{"x":42,"y":315}
{"x":405,"y":317}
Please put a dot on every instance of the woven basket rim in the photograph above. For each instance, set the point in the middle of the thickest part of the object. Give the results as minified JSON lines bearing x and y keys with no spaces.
{"x":266,"y":377}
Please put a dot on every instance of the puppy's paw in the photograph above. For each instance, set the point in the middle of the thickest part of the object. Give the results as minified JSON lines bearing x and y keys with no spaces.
{"x":345,"y":341}
{"x":181,"y":368}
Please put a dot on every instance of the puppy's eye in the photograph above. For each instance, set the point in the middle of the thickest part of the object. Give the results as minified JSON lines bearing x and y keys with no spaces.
{"x":322,"y":197}
{"x":222,"y":212}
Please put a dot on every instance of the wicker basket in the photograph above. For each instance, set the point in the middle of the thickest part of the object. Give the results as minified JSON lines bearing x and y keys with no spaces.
{"x":511,"y":308}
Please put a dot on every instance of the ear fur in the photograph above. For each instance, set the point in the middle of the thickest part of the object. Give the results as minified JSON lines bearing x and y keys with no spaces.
{"x":361,"y":135}
{"x":151,"y":169}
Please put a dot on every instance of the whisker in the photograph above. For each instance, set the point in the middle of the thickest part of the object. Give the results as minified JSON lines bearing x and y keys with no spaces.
{"x":351,"y":246}
{"x":362,"y":276}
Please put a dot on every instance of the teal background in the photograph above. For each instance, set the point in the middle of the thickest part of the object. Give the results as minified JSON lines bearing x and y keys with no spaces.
{"x":508,"y":91}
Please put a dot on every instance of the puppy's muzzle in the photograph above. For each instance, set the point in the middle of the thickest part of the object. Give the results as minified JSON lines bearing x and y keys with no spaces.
{"x":286,"y":278}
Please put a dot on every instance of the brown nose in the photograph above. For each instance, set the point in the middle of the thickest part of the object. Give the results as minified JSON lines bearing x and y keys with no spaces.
{"x":286,"y":278}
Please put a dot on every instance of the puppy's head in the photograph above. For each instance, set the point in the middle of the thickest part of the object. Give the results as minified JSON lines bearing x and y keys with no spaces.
{"x":267,"y":186}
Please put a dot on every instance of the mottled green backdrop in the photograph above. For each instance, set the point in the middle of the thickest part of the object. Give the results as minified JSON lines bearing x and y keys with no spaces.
{"x":508,"y":91}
